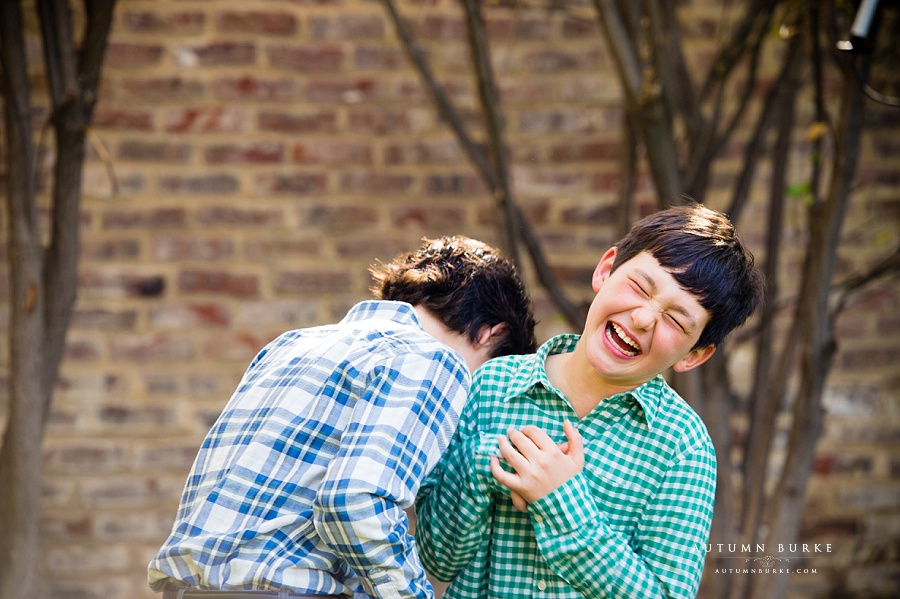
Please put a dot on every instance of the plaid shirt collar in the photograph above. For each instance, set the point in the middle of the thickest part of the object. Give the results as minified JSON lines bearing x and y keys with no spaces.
{"x":534,"y":372}
{"x":400,"y":312}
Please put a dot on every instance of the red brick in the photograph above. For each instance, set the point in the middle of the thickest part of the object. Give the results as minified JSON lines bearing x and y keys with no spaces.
{"x":254,"y":89}
{"x":159,"y":218}
{"x":116,"y":285}
{"x":868,"y":358}
{"x":199,"y":185}
{"x":223,"y":283}
{"x":151,"y":348}
{"x":192,"y":315}
{"x":101,"y":319}
{"x":300,"y":185}
{"x":154,"y":416}
{"x":347,"y":27}
{"x":368,"y":247}
{"x":590,"y":213}
{"x":167,"y":458}
{"x":439,"y":29}
{"x":331,"y":216}
{"x":87,"y":456}
{"x":283,"y":314}
{"x":314,"y":282}
{"x":268,"y":249}
{"x":586,"y":152}
{"x":236,"y":346}
{"x":216,"y":54}
{"x":609,"y":181}
{"x":314,"y":122}
{"x":519,"y":28}
{"x":160,"y":151}
{"x":307,"y":59}
{"x":350,"y":91}
{"x":549,"y":182}
{"x":447,"y":152}
{"x":218,"y":216}
{"x":453,"y":185}
{"x":427,"y":216}
{"x":376,"y":183}
{"x":111,"y":249}
{"x":256,"y":153}
{"x":66,"y":526}
{"x":192,"y":248}
{"x":82,"y":350}
{"x":575,"y":28}
{"x":827,"y":464}
{"x":211,"y":119}
{"x":151,"y":90}
{"x":332,"y":152}
{"x":367,"y":120}
{"x":127,"y":56}
{"x":123,"y":119}
{"x":257,"y":22}
{"x":379,"y":58}
{"x":173,"y":23}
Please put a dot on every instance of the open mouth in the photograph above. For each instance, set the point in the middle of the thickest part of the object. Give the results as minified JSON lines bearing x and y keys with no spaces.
{"x":622,"y":341}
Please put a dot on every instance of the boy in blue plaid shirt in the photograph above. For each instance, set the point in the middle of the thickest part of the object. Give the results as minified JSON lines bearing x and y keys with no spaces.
{"x":302,"y":482}
{"x":578,"y":472}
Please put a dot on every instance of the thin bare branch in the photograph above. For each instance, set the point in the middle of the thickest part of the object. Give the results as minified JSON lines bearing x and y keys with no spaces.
{"x":644,"y":96}
{"x":785,"y":510}
{"x":487,"y":91}
{"x":59,"y":56}
{"x":765,"y":400}
{"x":573,"y":314}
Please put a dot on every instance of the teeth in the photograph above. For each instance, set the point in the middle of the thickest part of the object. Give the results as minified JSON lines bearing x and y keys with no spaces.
{"x":624,"y":337}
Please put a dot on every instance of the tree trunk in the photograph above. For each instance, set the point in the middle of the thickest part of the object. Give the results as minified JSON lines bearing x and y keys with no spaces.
{"x":20,"y":453}
{"x":43,"y":281}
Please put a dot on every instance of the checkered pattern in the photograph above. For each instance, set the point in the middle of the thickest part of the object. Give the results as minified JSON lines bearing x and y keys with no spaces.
{"x":302,"y":481}
{"x":633,"y":524}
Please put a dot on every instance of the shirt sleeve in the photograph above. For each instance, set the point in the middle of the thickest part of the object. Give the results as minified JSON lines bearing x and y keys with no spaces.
{"x":402,"y":422}
{"x":453,"y":509}
{"x":665,"y":556}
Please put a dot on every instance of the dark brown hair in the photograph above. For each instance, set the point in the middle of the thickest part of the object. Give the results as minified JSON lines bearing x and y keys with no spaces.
{"x":466,"y":284}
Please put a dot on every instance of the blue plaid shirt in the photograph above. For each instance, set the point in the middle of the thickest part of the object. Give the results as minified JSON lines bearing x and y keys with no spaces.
{"x":302,"y":482}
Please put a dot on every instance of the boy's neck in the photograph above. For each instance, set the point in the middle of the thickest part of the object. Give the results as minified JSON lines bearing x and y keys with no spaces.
{"x":566,"y":373}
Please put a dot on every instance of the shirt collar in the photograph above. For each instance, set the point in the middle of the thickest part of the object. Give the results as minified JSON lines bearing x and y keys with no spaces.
{"x":648,"y":396}
{"x":399,"y":312}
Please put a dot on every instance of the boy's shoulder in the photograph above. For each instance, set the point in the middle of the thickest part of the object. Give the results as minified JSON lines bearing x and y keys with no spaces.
{"x":676,"y":418}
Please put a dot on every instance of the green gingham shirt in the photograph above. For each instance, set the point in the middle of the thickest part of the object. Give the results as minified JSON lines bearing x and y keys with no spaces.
{"x":634,"y":523}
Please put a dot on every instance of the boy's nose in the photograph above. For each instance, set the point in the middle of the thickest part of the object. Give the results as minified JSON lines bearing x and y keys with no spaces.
{"x":644,"y":318}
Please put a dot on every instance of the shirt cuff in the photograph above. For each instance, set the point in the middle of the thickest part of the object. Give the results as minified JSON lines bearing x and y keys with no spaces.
{"x":487,"y":446}
{"x":567,"y":508}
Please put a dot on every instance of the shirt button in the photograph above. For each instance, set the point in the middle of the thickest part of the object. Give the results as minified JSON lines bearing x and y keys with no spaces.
{"x":542,"y":585}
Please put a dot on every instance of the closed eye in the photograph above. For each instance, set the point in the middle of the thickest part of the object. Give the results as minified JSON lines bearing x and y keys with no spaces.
{"x":678,"y":324}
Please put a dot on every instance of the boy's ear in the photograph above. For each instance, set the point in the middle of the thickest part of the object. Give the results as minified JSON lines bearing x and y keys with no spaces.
{"x":489,"y":335}
{"x":601,"y":273}
{"x":695,"y":358}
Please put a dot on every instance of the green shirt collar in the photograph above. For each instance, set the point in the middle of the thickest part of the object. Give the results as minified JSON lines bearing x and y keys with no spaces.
{"x":648,"y":396}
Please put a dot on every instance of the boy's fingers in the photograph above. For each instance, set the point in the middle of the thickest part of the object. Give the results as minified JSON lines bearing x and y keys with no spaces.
{"x":518,"y":501}
{"x":537,"y":436}
{"x":510,"y":454}
{"x":507,"y":479}
{"x":523,"y":442}
{"x":575,"y":447}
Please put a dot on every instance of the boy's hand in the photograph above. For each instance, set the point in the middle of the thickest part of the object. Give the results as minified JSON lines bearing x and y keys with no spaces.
{"x":540,"y":464}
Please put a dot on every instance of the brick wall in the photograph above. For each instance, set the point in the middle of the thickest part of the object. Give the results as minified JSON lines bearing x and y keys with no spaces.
{"x":265,"y":153}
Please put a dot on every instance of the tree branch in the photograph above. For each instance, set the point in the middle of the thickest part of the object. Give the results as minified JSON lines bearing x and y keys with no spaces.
{"x":573,"y":314}
{"x":487,"y":91}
